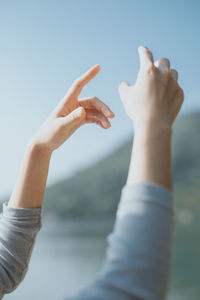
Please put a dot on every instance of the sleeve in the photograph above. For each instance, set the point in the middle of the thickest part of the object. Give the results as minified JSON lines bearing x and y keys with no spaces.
{"x":18,"y":229}
{"x":138,"y":256}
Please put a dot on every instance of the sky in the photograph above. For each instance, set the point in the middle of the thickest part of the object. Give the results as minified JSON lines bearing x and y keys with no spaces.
{"x":45,"y":45}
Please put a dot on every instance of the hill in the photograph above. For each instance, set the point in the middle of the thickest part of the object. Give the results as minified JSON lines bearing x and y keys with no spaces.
{"x":95,"y":191}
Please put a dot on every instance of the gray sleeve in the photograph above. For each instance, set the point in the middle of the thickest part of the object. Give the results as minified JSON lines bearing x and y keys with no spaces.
{"x":18,"y":229}
{"x":138,"y":257}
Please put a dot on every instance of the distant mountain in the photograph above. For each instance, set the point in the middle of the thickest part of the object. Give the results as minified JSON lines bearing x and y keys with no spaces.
{"x":95,"y":191}
{"x":186,"y":162}
{"x":186,"y":150}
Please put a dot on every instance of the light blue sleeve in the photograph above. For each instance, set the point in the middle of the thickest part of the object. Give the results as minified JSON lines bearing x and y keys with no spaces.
{"x":138,"y":257}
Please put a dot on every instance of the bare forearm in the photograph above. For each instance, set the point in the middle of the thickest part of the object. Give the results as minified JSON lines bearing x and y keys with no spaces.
{"x":151,"y":157}
{"x":30,"y":186}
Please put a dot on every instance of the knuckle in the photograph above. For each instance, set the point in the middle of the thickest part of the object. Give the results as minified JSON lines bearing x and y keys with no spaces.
{"x":95,"y":99}
{"x":100,"y":103}
{"x":165,"y":76}
{"x":152,"y":69}
{"x":95,"y":115}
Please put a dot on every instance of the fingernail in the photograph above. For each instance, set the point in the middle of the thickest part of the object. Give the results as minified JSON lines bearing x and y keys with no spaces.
{"x":106,"y":124}
{"x":142,"y":46}
{"x":112,"y":113}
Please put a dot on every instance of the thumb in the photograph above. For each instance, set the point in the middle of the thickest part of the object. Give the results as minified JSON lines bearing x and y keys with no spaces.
{"x":75,"y":117}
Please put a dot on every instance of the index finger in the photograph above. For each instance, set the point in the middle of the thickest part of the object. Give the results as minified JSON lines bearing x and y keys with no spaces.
{"x":146,"y":57}
{"x":79,"y":83}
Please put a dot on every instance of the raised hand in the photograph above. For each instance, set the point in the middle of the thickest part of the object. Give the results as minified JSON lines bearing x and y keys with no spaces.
{"x":156,"y":97}
{"x":71,"y":113}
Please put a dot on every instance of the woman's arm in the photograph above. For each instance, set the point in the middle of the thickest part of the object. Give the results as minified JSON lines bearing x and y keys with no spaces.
{"x":151,"y":156}
{"x":21,"y":217}
{"x":29,"y":188}
{"x":138,"y":257}
{"x":68,"y":116}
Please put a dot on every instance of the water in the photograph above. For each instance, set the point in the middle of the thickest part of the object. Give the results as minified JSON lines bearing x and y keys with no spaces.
{"x":66,"y":256}
{"x":62,"y":262}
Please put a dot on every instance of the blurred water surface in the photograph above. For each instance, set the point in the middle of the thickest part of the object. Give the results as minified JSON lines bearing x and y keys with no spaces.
{"x":61,"y":263}
{"x":66,"y":256}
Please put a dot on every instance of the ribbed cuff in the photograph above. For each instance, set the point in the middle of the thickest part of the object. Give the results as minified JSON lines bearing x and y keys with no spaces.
{"x":13,"y":212}
{"x":144,"y":192}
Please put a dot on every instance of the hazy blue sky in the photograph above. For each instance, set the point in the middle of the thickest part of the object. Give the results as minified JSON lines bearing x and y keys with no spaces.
{"x":45,"y":45}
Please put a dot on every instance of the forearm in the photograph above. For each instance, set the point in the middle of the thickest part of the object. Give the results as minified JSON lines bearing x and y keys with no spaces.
{"x":151,"y":157}
{"x":30,"y":186}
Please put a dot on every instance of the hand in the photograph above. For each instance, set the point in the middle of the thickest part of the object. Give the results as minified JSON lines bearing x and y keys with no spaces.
{"x":71,"y":113}
{"x":156,"y":97}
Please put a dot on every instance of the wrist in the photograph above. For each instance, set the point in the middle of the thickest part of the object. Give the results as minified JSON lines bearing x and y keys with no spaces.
{"x":152,"y":131}
{"x":151,"y":156}
{"x":38,"y":149}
